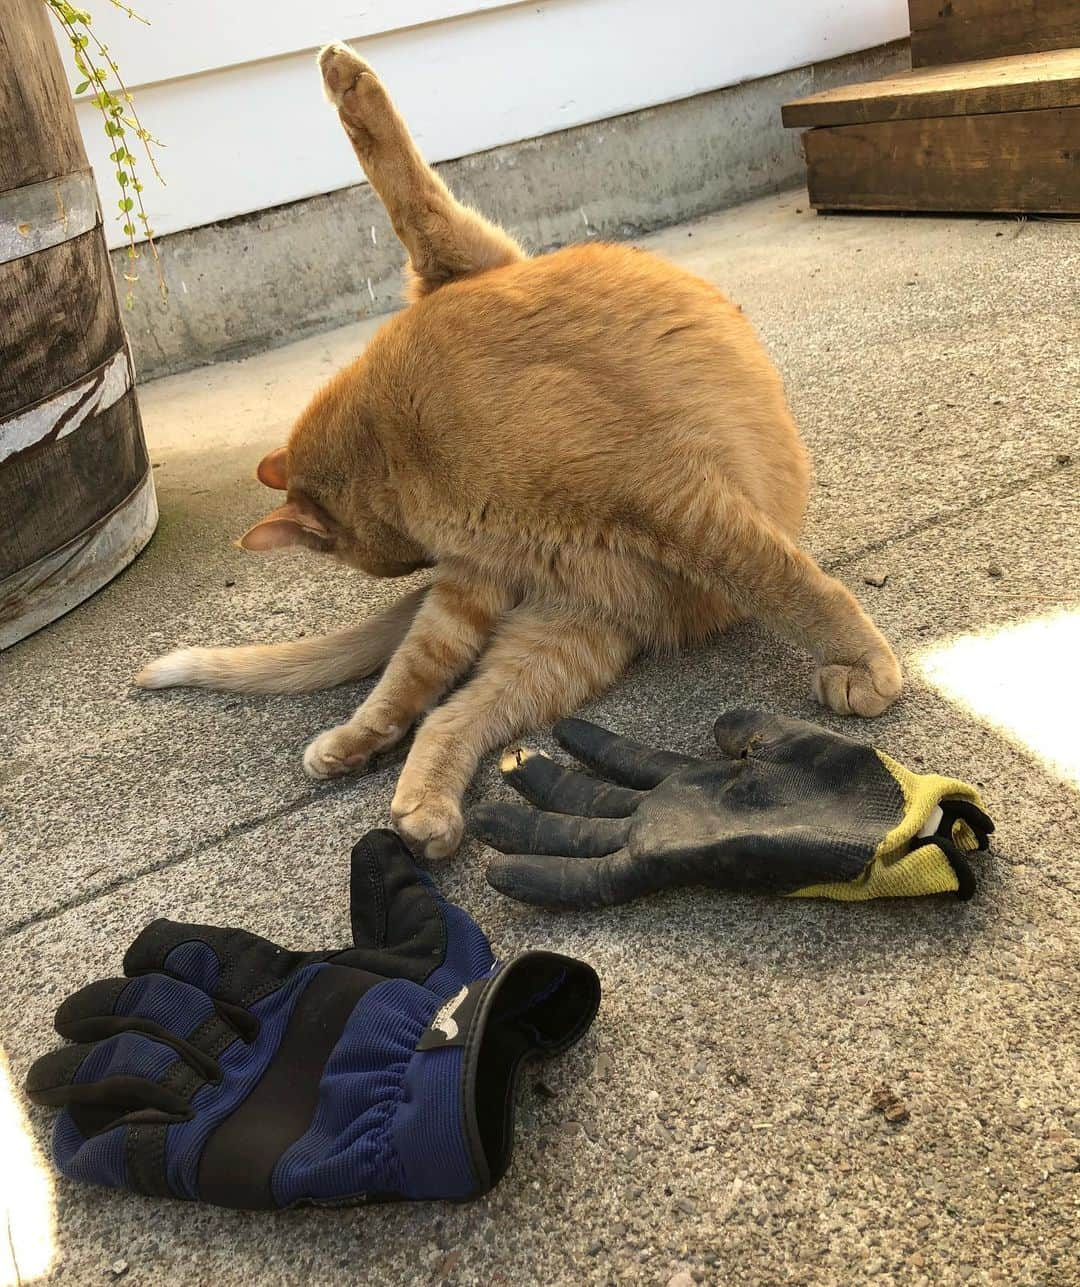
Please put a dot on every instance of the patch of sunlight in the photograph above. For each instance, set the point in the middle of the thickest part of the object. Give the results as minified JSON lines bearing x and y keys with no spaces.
{"x":1024,"y":679}
{"x":27,"y":1239}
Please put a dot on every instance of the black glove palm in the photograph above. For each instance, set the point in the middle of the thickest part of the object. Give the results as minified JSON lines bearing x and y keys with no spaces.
{"x":796,"y":810}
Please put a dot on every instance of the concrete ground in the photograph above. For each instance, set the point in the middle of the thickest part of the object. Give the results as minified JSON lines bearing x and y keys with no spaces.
{"x":717,"y":1124}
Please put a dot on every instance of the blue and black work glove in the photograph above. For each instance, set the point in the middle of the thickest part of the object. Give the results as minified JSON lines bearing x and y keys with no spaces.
{"x":791,"y":809}
{"x":228,"y":1070}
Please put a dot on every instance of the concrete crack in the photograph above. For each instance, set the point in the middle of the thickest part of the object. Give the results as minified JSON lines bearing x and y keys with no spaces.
{"x":941,"y":519}
{"x":173,"y":860}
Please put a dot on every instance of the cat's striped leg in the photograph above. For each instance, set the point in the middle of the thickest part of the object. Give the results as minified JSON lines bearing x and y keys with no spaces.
{"x":448,"y":633}
{"x":540,"y":665}
{"x":444,"y":238}
{"x":721,"y":539}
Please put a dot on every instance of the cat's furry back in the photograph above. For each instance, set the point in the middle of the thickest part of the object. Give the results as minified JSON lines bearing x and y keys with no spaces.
{"x":550,"y":423}
{"x":592,"y":450}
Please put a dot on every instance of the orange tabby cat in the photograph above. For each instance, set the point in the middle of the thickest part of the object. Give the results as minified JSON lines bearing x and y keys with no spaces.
{"x":592,"y":450}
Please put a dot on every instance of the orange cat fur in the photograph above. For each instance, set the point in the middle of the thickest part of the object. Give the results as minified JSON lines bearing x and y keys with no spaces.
{"x":590,"y":448}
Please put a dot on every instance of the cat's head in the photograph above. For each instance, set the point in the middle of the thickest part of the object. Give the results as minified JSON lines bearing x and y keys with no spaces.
{"x":321,"y":513}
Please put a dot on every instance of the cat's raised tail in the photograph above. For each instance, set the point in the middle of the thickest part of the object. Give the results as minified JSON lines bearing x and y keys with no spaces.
{"x":301,"y":666}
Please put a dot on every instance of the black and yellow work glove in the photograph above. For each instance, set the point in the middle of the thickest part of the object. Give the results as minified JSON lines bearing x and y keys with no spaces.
{"x":792,"y":809}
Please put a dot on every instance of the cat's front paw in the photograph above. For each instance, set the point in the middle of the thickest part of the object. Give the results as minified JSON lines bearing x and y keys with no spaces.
{"x":867,"y":688}
{"x":344,"y":750}
{"x":430,"y":824}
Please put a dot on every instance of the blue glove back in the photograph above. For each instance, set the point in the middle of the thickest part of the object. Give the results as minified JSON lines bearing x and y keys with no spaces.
{"x":226,"y":1069}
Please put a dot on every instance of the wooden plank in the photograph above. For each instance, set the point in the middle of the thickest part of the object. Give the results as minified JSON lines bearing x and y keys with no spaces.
{"x":59,"y":319}
{"x":957,"y":31}
{"x":40,"y":137}
{"x":1007,"y":162}
{"x":36,"y":595}
{"x":1023,"y":82}
{"x":47,"y":495}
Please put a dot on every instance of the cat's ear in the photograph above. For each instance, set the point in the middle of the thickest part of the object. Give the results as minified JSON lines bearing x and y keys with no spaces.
{"x":271,"y":471}
{"x":299,"y":522}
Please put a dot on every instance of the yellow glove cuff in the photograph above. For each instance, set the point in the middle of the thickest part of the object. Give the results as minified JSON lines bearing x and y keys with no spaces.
{"x":896,"y":870}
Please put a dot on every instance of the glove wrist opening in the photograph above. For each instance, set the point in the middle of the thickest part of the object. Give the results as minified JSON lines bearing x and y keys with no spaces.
{"x":540,"y":1003}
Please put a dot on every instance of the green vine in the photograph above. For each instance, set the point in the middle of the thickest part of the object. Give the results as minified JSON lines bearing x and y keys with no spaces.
{"x":117,"y":107}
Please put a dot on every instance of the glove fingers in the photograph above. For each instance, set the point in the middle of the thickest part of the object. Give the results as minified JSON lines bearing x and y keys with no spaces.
{"x":518,"y":829}
{"x":120,"y":1074}
{"x":57,"y":1069}
{"x":627,"y":762}
{"x":397,"y":926}
{"x":155,"y":1004}
{"x":549,"y":786}
{"x":228,"y":964}
{"x":95,"y":999}
{"x":186,"y":952}
{"x":168,"y":1002}
{"x":571,"y":882}
{"x":403,"y":927}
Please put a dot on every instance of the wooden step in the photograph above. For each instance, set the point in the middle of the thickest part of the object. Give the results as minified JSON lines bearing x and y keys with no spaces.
{"x":1004,"y":162}
{"x":1019,"y":83}
{"x":999,"y":135}
{"x":956,"y":31}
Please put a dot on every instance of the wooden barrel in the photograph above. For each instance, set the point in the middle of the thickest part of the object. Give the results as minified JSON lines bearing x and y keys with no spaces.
{"x":76,"y":494}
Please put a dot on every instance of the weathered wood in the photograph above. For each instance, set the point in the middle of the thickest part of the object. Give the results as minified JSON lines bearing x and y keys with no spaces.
{"x":76,"y":492}
{"x":1007,"y":161}
{"x":1025,"y":82}
{"x":41,"y":139}
{"x":88,"y":474}
{"x":62,"y":413}
{"x":39,"y":215}
{"x":38,"y":594}
{"x":956,"y":31}
{"x":58,"y":319}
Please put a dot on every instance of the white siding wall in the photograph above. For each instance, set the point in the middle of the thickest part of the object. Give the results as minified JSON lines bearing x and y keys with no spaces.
{"x":231,"y":89}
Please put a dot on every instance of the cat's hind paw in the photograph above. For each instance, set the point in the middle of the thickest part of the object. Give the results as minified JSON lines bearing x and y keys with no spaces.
{"x":343,"y":71}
